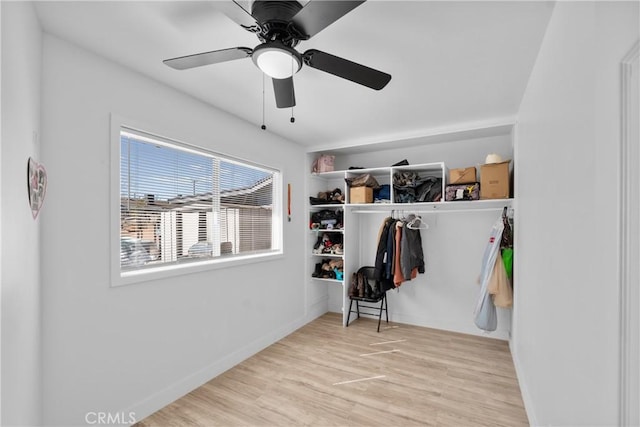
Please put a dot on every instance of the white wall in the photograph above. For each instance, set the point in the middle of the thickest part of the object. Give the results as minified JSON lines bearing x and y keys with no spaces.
{"x":138,"y":347}
{"x":0,"y":217}
{"x":566,"y":318}
{"x":456,"y":153}
{"x":631,"y":295}
{"x":20,"y":249}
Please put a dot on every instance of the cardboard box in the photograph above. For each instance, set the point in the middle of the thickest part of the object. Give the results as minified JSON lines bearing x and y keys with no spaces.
{"x":361,"y":195}
{"x":462,"y":176}
{"x":494,"y":180}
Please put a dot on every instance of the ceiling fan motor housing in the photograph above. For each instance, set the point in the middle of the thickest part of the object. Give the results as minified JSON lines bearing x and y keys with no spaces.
{"x":274,"y":19}
{"x":267,"y":10}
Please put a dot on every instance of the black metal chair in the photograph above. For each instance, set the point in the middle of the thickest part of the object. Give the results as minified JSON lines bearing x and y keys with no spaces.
{"x":374,"y":294}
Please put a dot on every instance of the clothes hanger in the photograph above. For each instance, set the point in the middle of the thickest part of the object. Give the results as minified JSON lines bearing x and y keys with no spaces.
{"x":421,"y":224}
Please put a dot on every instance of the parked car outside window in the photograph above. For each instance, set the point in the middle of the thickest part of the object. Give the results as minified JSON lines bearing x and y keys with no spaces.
{"x":201,"y":249}
{"x":133,"y":252}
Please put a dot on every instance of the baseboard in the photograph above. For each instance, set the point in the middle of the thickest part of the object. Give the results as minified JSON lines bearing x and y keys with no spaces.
{"x":524,"y":387}
{"x":174,"y":391}
{"x":317,"y":309}
{"x":429,"y":323}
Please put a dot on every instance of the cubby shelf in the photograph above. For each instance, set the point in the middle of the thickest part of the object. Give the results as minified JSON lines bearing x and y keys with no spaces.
{"x":327,"y":280}
{"x":384,"y":175}
{"x":327,"y":206}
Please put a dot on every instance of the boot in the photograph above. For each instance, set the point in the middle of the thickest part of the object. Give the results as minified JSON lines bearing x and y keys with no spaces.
{"x":353,"y":289}
{"x":367,"y":289}
{"x":360,"y":285}
{"x":375,"y":292}
{"x":318,"y":271}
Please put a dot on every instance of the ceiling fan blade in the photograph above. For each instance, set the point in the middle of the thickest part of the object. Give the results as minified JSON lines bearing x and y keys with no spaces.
{"x":237,"y":14}
{"x":208,"y":58}
{"x":346,"y":69}
{"x":285,"y":96}
{"x":319,"y":14}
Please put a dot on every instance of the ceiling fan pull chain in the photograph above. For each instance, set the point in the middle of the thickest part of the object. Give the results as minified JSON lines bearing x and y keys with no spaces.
{"x":263,"y":127}
{"x":293,"y":119}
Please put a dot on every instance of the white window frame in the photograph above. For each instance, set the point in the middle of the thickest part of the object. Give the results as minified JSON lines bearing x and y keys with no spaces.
{"x":119,"y":277}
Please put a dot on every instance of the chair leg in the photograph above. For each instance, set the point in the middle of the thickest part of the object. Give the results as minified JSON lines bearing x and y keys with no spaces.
{"x":358,"y":308}
{"x":380,"y":313}
{"x":349,"y":314}
{"x":386,"y":307}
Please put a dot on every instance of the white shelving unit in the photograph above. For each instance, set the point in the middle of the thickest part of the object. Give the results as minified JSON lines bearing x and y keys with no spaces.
{"x":384,"y":175}
{"x":445,"y":296}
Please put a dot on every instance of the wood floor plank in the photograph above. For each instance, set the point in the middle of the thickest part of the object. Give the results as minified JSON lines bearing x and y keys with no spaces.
{"x":327,"y":375}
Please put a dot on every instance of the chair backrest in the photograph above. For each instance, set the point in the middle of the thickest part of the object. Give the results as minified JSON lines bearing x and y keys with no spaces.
{"x":368,"y":272}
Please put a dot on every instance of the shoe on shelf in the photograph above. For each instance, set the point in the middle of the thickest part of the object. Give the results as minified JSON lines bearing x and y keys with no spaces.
{"x":318,"y":270}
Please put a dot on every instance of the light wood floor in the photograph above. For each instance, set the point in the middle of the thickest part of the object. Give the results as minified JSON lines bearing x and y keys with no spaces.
{"x":427,"y":377}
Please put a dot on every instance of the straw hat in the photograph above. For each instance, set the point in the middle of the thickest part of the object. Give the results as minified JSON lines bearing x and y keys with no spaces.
{"x":493,"y":158}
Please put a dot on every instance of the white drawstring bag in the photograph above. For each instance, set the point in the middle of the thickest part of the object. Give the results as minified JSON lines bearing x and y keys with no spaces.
{"x":485,"y":316}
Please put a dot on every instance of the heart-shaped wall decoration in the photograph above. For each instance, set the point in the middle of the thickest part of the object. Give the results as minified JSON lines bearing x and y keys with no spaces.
{"x":37,"y":185}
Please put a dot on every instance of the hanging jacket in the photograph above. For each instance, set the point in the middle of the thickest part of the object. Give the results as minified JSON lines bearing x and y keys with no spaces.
{"x":412,"y":256}
{"x":381,"y":251}
{"x":499,"y":285}
{"x":485,"y":316}
{"x":382,"y":257}
{"x":398,"y":277}
{"x":391,"y":250}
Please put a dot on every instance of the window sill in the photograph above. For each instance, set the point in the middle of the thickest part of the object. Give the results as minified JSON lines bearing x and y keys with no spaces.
{"x":159,"y":273}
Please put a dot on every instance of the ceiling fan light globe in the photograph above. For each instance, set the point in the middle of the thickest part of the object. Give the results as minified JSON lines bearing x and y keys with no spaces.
{"x":277,"y":62}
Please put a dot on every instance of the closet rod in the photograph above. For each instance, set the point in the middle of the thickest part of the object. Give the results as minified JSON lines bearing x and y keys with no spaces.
{"x":368,"y":211}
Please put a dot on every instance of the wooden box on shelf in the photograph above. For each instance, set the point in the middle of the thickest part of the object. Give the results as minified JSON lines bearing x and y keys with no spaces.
{"x":361,"y":195}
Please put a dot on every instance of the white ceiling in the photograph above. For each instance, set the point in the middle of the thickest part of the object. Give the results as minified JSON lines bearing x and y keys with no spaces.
{"x":452,"y":62}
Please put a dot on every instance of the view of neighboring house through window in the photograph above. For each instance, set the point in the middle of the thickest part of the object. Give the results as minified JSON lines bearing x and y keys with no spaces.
{"x":182,"y":204}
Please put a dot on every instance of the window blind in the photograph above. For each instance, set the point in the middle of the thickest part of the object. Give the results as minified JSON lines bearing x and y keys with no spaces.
{"x":183,"y":204}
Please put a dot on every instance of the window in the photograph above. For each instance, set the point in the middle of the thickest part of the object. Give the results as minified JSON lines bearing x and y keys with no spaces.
{"x":182,"y":205}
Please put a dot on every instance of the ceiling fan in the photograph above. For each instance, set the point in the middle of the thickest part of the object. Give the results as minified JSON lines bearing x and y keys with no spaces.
{"x":280,"y":26}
